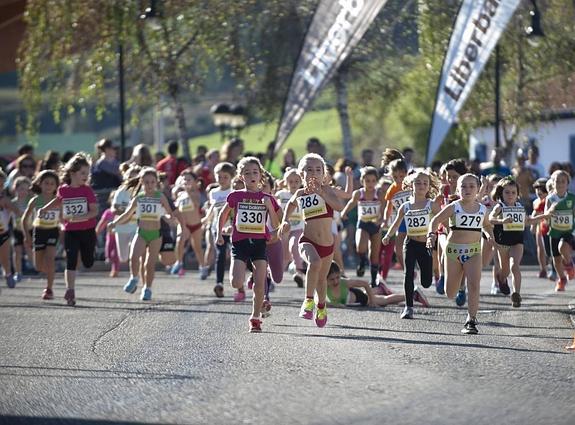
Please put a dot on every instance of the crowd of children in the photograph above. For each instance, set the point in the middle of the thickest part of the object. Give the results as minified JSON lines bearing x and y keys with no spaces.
{"x":446,"y":226}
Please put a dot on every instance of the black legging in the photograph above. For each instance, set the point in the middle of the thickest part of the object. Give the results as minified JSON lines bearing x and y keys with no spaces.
{"x":82,"y":241}
{"x":221,"y":251}
{"x":416,"y":251}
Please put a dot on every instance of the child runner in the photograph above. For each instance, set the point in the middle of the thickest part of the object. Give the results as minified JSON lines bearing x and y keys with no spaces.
{"x":417,"y":215}
{"x":370,"y":210}
{"x":542,"y":229}
{"x":342,"y":291}
{"x":251,"y":207}
{"x":509,"y":219}
{"x":149,"y":205}
{"x":488,"y":250}
{"x":111,"y":249}
{"x":386,"y":251}
{"x":188,"y":202}
{"x":560,"y":205}
{"x":293,"y":182}
{"x":224,"y":173}
{"x":21,"y":188}
{"x":467,"y":218}
{"x":317,"y":202}
{"x":79,"y":208}
{"x":7,"y":208}
{"x":45,"y":227}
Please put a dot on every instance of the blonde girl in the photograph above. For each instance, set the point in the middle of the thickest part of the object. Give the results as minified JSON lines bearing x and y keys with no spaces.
{"x":78,"y":207}
{"x":509,"y":218}
{"x":467,"y":218}
{"x":317,"y":201}
{"x":417,"y":214}
{"x":21,"y":190}
{"x":370,"y":215}
{"x":45,"y":229}
{"x":149,"y":205}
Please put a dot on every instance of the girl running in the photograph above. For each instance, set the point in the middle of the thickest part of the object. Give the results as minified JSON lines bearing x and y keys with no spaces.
{"x":110,"y":249}
{"x":560,"y":205}
{"x":79,"y":208}
{"x":251,"y":207}
{"x":488,"y":250}
{"x":45,"y":227}
{"x":149,"y":205}
{"x":317,"y":201}
{"x":370,"y":214}
{"x":542,"y":230}
{"x":21,"y":188}
{"x":509,"y":218}
{"x":188,"y":202}
{"x":467,"y":218}
{"x":417,"y":215}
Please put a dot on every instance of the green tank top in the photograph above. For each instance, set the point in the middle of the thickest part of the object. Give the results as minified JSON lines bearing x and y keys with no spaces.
{"x":340,"y":298}
{"x":561,"y":221}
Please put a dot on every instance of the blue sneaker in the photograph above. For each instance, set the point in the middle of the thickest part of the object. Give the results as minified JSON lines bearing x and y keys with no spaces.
{"x":146,"y":294}
{"x":176,"y":268}
{"x":440,"y":285}
{"x":461,"y":298}
{"x":10,"y":282}
{"x":17,"y":277}
{"x":131,"y":286}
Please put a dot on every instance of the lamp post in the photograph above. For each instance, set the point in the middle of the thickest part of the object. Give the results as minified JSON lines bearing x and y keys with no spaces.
{"x":534,"y":33}
{"x":229,"y":118}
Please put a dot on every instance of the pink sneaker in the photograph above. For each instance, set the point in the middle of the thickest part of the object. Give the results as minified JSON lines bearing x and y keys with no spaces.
{"x":47,"y":294}
{"x":239,"y":296}
{"x":181,"y":272}
{"x":266,"y":309}
{"x":251,"y":282}
{"x":255,"y":325}
{"x":321,"y":317}
{"x":382,"y":289}
{"x":307,"y":307}
{"x":419,"y":297}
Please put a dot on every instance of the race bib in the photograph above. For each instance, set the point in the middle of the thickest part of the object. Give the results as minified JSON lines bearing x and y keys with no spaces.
{"x":47,"y":219}
{"x":312,"y":205}
{"x":400,"y":198}
{"x":517,"y":215}
{"x":186,"y":205}
{"x":562,"y":221}
{"x":251,"y":218}
{"x":468,"y":221}
{"x":417,"y":222}
{"x":368,"y":210}
{"x":296,"y":219}
{"x":150,"y":209}
{"x":74,"y":208}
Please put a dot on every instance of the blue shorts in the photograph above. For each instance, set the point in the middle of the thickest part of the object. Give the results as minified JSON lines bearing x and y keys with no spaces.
{"x":402,"y":227}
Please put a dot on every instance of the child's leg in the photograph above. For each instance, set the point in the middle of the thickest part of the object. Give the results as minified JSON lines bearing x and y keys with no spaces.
{"x":183,"y":236}
{"x":49,"y":265}
{"x":541,"y":256}
{"x":313,"y":260}
{"x":5,"y":258}
{"x":237,"y":273}
{"x":557,"y":258}
{"x":259,"y":276}
{"x":399,"y":240}
{"x":566,"y":252}
{"x":409,"y":255}
{"x":515,"y":256}
{"x":487,"y":246}
{"x":503,"y":255}
{"x":196,"y":242}
{"x":425,"y":262}
{"x":293,"y":247}
{"x":87,"y":247}
{"x":221,"y":251}
{"x":286,"y":250}
{"x":387,"y":252}
{"x":210,"y":253}
{"x":39,"y":260}
{"x":137,"y":251}
{"x":472,"y":269}
{"x":383,"y":300}
{"x":374,"y":246}
{"x":151,"y":258}
{"x":72,"y":246}
{"x":18,"y":254}
{"x":453,"y":276}
{"x":321,"y":287}
{"x":275,"y":264}
{"x":361,"y":240}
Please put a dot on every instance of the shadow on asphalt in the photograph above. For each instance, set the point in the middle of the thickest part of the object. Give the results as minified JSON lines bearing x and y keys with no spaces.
{"x":56,"y":372}
{"x":31,"y":420}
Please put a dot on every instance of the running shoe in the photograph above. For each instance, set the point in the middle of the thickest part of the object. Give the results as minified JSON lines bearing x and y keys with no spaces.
{"x":255,"y":325}
{"x":360,"y":270}
{"x":504,"y":287}
{"x":419,"y":297}
{"x":176,"y":268}
{"x":181,"y":271}
{"x":47,"y":294}
{"x":17,"y":277}
{"x":470,"y":327}
{"x":516,"y":300}
{"x":306,"y":311}
{"x":495,"y":288}
{"x":251,"y":282}
{"x":460,"y":298}
{"x":440,"y":286}
{"x":382,"y":288}
{"x":239,"y":296}
{"x":542,"y":274}
{"x":321,"y":317}
{"x":298,"y":279}
{"x":204,"y":272}
{"x":552,"y":275}
{"x":407,"y":313}
{"x":570,"y":270}
{"x":10,"y":282}
{"x":146,"y":294}
{"x":266,"y":309}
{"x":561,"y":284}
{"x":131,"y":286}
{"x":219,"y":290}
{"x":70,"y":297}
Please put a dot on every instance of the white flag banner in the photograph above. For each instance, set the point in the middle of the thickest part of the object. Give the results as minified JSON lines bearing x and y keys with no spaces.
{"x":336,"y":28}
{"x":477,"y":30}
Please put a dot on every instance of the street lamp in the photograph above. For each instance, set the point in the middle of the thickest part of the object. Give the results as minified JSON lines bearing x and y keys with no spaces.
{"x":229,"y":118}
{"x":152,"y":15}
{"x":534,"y":31}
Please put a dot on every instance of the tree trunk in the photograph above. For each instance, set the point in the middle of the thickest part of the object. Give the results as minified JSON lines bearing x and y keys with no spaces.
{"x":340,"y":81}
{"x":181,"y":120}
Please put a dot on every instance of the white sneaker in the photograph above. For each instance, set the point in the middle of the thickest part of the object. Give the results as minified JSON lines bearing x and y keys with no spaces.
{"x":495,"y":288}
{"x":204,"y":272}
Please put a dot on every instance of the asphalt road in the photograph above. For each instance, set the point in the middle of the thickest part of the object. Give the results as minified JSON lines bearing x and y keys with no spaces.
{"x":186,"y":357}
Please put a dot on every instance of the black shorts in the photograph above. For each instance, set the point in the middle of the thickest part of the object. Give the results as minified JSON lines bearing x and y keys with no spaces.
{"x":360,"y":296}
{"x":249,"y":250}
{"x":168,"y":244}
{"x":566,"y":237}
{"x":18,"y":239}
{"x":4,"y":237}
{"x":44,"y":237}
{"x":507,"y":238}
{"x":370,"y":227}
{"x":547,"y":245}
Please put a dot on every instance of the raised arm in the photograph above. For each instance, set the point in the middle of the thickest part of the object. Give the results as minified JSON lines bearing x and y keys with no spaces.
{"x":350,"y":205}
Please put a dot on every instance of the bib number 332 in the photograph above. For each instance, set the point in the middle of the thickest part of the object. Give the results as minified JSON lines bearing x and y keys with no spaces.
{"x":74,"y":207}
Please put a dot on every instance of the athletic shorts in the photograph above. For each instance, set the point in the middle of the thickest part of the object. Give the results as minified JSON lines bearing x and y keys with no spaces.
{"x":402,"y":227}
{"x":18,"y":239}
{"x":370,"y":227}
{"x":168,"y":244}
{"x":566,"y":237}
{"x":359,"y":295}
{"x":507,"y":238}
{"x":249,"y":250}
{"x":44,"y":237}
{"x":4,"y":237}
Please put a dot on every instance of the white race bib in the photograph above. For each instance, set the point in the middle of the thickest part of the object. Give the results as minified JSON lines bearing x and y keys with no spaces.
{"x":149,"y":209}
{"x":251,"y":218}
{"x":368,"y":210}
{"x":47,"y":219}
{"x":517,"y":215}
{"x":185,"y":204}
{"x":417,"y":222}
{"x":312,"y":205}
{"x":467,"y":221}
{"x":74,"y":208}
{"x":562,"y":221}
{"x":400,"y":198}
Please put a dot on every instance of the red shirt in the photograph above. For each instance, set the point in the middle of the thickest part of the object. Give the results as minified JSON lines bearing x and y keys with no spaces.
{"x":172,"y":167}
{"x":75,"y":203}
{"x":250,"y":214}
